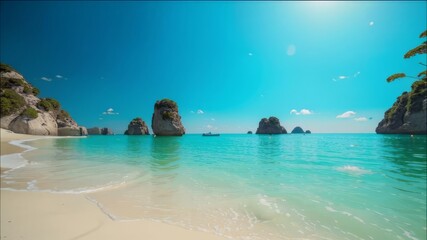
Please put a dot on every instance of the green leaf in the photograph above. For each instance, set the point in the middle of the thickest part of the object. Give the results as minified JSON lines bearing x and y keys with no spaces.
{"x":395,"y":76}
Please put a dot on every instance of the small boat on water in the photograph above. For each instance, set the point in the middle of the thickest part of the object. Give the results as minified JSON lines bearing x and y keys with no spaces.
{"x":209,"y":134}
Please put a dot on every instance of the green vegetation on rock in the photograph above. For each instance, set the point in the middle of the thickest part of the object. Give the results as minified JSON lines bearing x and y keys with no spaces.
{"x":137,"y":119}
{"x":10,"y":102}
{"x":36,"y":91}
{"x":418,"y":93}
{"x":167,"y":115}
{"x":49,"y":104}
{"x":166,"y":103}
{"x":6,"y":68}
{"x":11,"y":82}
{"x":412,"y":101}
{"x":63,"y":115}
{"x":30,"y":113}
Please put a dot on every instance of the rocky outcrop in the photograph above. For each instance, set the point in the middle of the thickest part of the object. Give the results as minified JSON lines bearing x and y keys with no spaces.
{"x":68,"y":127}
{"x":166,"y":121}
{"x":408,"y":113}
{"x":249,"y":132}
{"x":23,"y":112}
{"x":94,"y":131}
{"x":107,"y":131}
{"x":137,"y":127}
{"x":99,"y":131}
{"x":72,"y":131}
{"x":44,"y":124}
{"x":297,"y":130}
{"x":307,"y":131}
{"x":270,"y":126}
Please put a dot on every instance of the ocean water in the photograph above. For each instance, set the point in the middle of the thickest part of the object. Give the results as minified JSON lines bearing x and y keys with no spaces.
{"x":315,"y":186}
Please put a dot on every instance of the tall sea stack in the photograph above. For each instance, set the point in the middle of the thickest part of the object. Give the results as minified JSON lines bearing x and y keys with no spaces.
{"x":166,"y":121}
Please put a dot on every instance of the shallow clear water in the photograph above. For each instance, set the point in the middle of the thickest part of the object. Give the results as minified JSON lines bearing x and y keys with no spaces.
{"x":317,"y":186}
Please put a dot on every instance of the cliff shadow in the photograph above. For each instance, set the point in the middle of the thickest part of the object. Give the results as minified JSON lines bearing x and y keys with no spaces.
{"x":407,"y":153}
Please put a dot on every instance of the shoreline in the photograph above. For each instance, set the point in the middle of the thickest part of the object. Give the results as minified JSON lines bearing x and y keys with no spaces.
{"x":43,"y":215}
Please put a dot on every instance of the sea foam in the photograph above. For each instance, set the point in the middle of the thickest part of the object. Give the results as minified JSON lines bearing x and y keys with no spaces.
{"x":353,"y":170}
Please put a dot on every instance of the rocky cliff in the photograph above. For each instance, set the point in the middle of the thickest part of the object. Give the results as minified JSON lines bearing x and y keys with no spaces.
{"x":137,"y":127}
{"x":297,"y":130}
{"x":408,"y":113}
{"x":99,"y":131}
{"x":23,"y":112}
{"x":166,"y":121}
{"x":270,"y":126}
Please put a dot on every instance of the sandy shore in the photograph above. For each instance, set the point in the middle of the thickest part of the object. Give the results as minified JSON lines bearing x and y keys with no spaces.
{"x":7,"y":136}
{"x":45,"y":216}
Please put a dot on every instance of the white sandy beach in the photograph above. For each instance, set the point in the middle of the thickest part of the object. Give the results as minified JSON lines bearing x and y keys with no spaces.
{"x":44,"y":216}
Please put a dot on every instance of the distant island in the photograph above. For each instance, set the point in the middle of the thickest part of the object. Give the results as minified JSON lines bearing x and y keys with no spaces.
{"x":270,"y":126}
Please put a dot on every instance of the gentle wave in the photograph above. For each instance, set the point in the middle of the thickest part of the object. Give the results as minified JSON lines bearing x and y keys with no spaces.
{"x":354,"y":170}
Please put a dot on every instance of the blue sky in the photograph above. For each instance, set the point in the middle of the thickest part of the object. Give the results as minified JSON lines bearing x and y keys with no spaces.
{"x":226,"y":64}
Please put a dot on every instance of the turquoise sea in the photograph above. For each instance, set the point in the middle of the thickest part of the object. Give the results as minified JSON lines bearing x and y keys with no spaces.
{"x":314,"y":186}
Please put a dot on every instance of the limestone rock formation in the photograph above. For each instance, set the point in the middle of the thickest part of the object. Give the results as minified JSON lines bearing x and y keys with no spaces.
{"x":297,"y":130}
{"x":137,"y":127}
{"x":99,"y":131}
{"x":72,"y":131}
{"x":270,"y":126}
{"x":307,"y":131}
{"x":408,"y":113}
{"x":107,"y":131}
{"x":44,"y":124}
{"x":94,"y":131}
{"x":249,"y":132}
{"x":23,"y":112}
{"x":166,"y":121}
{"x":67,"y":126}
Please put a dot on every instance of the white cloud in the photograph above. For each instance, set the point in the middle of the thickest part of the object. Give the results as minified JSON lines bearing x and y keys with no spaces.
{"x":371,"y":23}
{"x":347,"y":114}
{"x":200,"y":111}
{"x":212,"y":119}
{"x":192,"y":112}
{"x":361,"y":119}
{"x":46,"y":79}
{"x":343,"y":77}
{"x":291,"y":50}
{"x":250,"y":54}
{"x":110,"y":111}
{"x":302,"y":112}
{"x":59,"y":76}
{"x":306,"y":112}
{"x":209,"y":126}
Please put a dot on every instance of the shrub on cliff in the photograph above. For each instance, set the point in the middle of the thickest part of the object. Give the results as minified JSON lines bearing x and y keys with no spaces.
{"x":30,"y":113}
{"x":63,"y":115}
{"x":11,"y":82}
{"x":166,"y":103}
{"x":10,"y":102}
{"x":48,"y":104}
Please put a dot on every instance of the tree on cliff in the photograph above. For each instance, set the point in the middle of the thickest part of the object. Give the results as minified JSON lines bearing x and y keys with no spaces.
{"x":421,"y":49}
